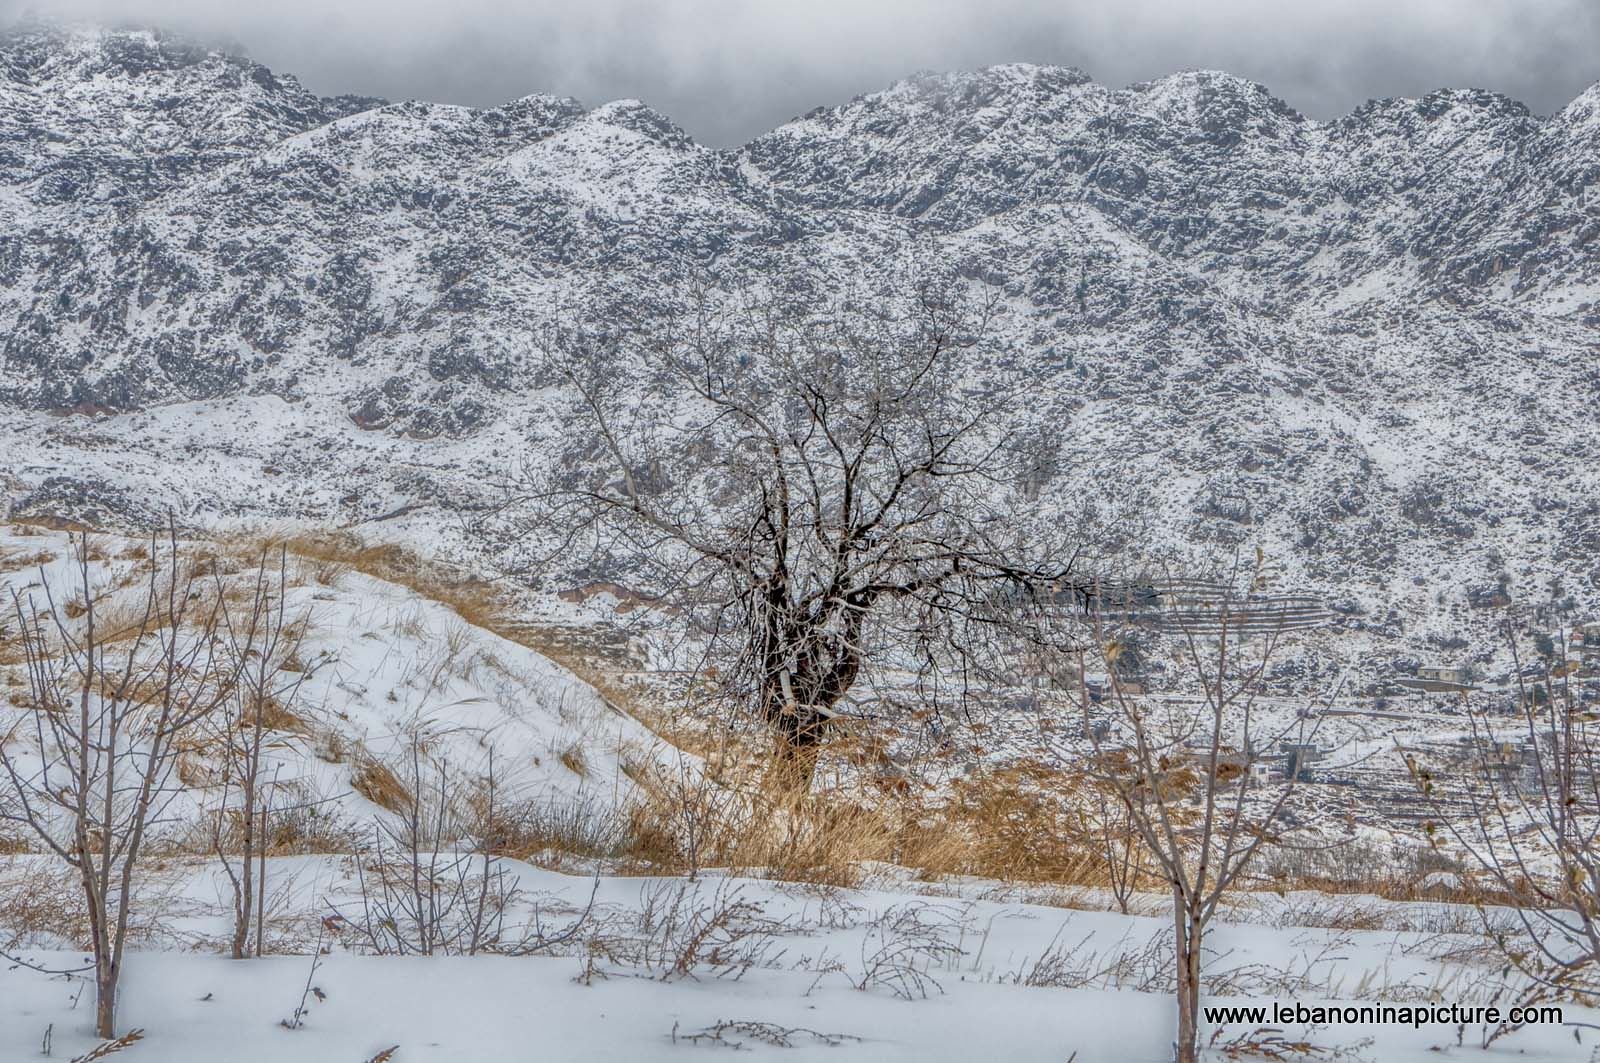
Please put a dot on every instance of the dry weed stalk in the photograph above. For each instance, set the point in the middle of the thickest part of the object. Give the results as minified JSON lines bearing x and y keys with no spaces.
{"x":107,"y":1048}
{"x":724,"y":1032}
{"x":903,"y":945}
{"x":1272,"y":1044}
{"x":685,"y":930}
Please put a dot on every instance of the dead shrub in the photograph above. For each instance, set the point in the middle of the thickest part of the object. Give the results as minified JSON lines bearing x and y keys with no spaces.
{"x":688,"y":929}
{"x":41,"y":906}
{"x":307,"y":829}
{"x":552,"y":825}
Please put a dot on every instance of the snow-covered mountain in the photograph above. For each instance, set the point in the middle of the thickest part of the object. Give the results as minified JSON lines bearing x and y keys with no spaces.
{"x":1368,"y":346}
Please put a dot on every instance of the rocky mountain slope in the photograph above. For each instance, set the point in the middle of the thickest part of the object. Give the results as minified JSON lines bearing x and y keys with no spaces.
{"x":1367,"y":346}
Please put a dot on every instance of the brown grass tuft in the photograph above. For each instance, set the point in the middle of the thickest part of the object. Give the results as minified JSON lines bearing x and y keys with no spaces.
{"x":545,"y":828}
{"x":14,"y":561}
{"x":276,"y":716}
{"x":574,"y":760}
{"x":374,"y":781}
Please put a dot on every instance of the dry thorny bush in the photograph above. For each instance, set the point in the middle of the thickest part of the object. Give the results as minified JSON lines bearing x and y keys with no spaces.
{"x":683,"y":929}
{"x":726,"y":1033}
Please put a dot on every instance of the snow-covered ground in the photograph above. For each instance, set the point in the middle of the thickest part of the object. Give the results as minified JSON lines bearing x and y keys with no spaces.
{"x":895,"y":973}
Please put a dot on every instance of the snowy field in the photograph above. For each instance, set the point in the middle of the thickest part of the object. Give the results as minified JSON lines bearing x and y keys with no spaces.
{"x":888,"y":974}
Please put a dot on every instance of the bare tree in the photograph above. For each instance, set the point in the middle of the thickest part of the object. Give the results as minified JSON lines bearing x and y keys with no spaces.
{"x":1188,"y":773}
{"x":1532,"y":823}
{"x":259,"y":642}
{"x":814,"y":487}
{"x":108,"y":701}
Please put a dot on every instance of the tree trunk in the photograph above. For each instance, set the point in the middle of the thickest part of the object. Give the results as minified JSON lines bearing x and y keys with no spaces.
{"x":795,"y":764}
{"x":1186,"y":945}
{"x":261,"y":876}
{"x":105,"y":1001}
{"x":244,"y":899}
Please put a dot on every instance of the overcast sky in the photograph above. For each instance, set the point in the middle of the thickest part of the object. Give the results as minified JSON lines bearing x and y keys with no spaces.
{"x":728,"y":69}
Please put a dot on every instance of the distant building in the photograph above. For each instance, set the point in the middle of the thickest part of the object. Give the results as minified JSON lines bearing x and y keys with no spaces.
{"x":1438,"y":678}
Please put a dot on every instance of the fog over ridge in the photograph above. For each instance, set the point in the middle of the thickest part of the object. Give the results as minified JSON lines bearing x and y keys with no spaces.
{"x":727,"y":70}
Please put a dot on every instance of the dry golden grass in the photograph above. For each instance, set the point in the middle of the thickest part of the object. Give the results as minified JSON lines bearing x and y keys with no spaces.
{"x":41,"y":901}
{"x":125,"y":619}
{"x":1001,"y":825}
{"x":1020,"y":824}
{"x":196,"y":765}
{"x":574,"y":760}
{"x":373,"y":780}
{"x":13,"y":650}
{"x":1023,"y":824}
{"x":549,"y":829}
{"x":276,"y":716}
{"x":18,"y":560}
{"x":304,"y":829}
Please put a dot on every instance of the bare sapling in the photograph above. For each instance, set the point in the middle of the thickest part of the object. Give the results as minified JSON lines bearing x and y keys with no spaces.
{"x":259,"y":641}
{"x":110,"y":694}
{"x":1118,"y":843}
{"x":1532,"y":824}
{"x":1190,"y":772}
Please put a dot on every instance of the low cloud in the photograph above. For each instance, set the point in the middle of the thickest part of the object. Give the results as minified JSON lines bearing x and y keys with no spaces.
{"x":728,"y":69}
